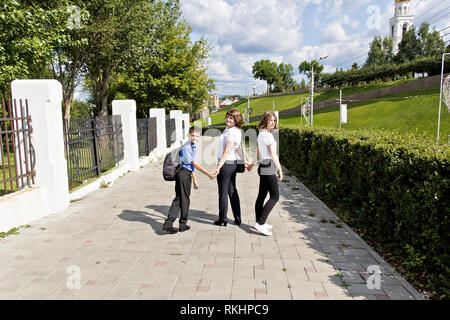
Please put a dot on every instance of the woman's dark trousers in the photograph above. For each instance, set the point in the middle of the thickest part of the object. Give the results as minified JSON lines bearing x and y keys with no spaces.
{"x":267,"y":184}
{"x":226,"y":180}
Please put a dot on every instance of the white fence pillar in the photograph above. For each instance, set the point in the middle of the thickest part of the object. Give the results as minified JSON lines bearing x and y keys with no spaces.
{"x":44,"y":102}
{"x":176,"y":114}
{"x":161,"y":141}
{"x":185,"y":119}
{"x":127,"y":111}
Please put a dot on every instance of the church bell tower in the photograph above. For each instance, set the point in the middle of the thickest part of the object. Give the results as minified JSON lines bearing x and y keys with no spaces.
{"x":401,"y":22}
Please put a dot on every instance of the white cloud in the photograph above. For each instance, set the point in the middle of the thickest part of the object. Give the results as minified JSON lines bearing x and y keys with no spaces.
{"x":334,"y":32}
{"x":244,"y":31}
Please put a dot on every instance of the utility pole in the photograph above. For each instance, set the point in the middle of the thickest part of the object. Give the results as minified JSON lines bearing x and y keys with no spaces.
{"x":312,"y":87}
{"x":248,"y":104}
{"x":340,"y":107}
{"x":440,"y":95}
{"x":312,"y":95}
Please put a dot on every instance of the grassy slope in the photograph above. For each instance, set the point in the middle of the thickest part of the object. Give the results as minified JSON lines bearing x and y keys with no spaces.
{"x":416,"y":114}
{"x":288,"y":101}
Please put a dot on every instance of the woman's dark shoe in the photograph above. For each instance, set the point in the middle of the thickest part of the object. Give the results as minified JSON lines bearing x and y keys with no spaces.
{"x":220,"y":223}
{"x":237,"y":222}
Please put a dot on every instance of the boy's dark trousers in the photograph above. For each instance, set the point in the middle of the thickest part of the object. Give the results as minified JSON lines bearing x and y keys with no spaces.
{"x":183,"y":191}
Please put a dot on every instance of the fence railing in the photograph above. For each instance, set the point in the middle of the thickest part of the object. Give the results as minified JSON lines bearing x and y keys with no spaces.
{"x":146,"y":134}
{"x":92,"y":146}
{"x":170,"y":132}
{"x":17,"y":157}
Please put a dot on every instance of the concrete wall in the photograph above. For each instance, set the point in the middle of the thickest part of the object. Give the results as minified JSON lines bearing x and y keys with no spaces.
{"x":413,"y":85}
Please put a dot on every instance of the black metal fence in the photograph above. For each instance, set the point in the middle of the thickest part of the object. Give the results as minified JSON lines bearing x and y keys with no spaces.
{"x":170,"y":132}
{"x":92,"y":146}
{"x":17,"y":157}
{"x":146,"y":134}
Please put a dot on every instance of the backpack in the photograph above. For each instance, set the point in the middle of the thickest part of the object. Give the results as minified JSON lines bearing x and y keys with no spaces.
{"x":172,"y":164}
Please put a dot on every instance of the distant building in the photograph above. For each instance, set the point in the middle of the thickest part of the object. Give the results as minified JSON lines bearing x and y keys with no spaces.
{"x":401,"y":22}
{"x":235,"y":98}
{"x":204,"y":113}
{"x":225,"y":103}
{"x":215,"y":100}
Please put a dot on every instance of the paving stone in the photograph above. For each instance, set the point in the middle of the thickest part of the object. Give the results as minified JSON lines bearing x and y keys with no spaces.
{"x":115,"y":237}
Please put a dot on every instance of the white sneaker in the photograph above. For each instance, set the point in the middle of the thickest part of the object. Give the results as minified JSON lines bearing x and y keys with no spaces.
{"x":262,"y":229}
{"x":268,"y":226}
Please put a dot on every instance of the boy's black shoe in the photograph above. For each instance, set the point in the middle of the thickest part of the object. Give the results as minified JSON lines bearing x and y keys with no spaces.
{"x":170,"y":230}
{"x":184,"y":228}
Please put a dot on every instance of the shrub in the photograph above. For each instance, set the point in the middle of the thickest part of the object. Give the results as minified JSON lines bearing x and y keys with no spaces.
{"x":393,"y":187}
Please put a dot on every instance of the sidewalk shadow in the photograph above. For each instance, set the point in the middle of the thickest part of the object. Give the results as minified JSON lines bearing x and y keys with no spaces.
{"x":156,"y":221}
{"x":199,"y":216}
{"x":152,"y":220}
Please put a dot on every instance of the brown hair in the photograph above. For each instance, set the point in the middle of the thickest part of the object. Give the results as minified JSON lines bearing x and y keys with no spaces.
{"x":236,"y":114}
{"x":267,"y":116}
{"x":196,"y":129}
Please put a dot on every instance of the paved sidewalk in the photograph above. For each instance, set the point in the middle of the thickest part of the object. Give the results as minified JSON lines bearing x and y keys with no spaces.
{"x":114,"y":236}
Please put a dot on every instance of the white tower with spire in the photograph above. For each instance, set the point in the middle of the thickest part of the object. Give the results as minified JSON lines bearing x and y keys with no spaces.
{"x":401,"y":22}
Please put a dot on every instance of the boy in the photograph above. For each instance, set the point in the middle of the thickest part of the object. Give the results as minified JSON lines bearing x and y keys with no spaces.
{"x":183,"y":180}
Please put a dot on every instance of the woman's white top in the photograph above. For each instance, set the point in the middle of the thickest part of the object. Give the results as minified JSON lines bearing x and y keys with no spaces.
{"x":265,"y":139}
{"x":232,"y":134}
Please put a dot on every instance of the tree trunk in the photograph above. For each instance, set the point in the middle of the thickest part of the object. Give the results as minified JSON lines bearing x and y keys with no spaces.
{"x":101,"y":92}
{"x":67,"y":104}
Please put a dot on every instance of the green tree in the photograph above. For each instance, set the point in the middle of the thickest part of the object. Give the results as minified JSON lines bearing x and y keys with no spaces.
{"x":388,"y":48}
{"x":285,"y":81}
{"x":68,"y":59}
{"x":430,"y":42}
{"x":120,"y":34}
{"x":28,"y":34}
{"x":266,"y":70}
{"x":80,"y":109}
{"x":306,"y":67}
{"x":376,"y":55}
{"x":173,"y":76}
{"x":355,"y":66}
{"x":409,"y":48}
{"x":303,"y":84}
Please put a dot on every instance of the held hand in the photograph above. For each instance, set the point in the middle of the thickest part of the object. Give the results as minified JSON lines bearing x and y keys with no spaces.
{"x":216,"y":172}
{"x":211,"y":175}
{"x":250,"y":167}
{"x":280,"y":175}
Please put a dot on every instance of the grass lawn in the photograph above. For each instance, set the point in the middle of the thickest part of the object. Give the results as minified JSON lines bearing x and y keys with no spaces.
{"x":288,"y":101}
{"x":416,"y":114}
{"x":6,"y":175}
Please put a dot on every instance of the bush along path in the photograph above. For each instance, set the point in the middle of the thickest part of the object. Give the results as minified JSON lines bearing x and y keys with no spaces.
{"x":393,"y":189}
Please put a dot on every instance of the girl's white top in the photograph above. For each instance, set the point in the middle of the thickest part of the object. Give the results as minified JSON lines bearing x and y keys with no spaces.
{"x":265,"y":139}
{"x":232,"y":134}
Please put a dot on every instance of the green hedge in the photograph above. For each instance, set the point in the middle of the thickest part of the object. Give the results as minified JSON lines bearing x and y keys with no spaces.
{"x":394,"y":188}
{"x":430,"y":65}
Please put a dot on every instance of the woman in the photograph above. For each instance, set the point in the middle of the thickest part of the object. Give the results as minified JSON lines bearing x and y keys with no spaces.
{"x":267,"y":151}
{"x":229,"y":142}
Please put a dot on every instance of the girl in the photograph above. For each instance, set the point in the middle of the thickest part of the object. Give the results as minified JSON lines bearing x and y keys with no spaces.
{"x":229,"y":142}
{"x":267,"y":151}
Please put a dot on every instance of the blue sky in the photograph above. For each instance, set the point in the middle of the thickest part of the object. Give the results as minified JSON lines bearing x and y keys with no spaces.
{"x":292,"y":31}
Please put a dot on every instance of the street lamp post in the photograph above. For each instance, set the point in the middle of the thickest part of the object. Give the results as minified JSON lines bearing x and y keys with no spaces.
{"x":440,"y":95}
{"x":248,"y":102}
{"x":312,"y":88}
